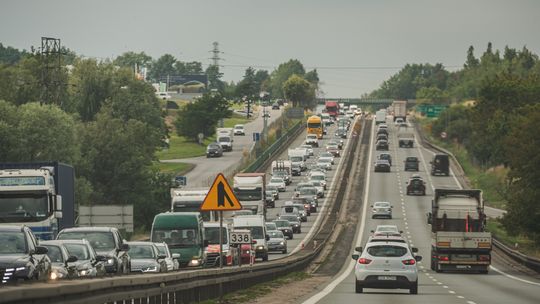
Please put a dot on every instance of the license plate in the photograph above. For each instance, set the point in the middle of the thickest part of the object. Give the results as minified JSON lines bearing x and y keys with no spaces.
{"x":387,"y":278}
{"x":462,"y":266}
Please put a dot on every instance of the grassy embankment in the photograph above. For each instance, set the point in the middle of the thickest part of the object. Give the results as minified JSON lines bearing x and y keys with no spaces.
{"x":492,"y":183}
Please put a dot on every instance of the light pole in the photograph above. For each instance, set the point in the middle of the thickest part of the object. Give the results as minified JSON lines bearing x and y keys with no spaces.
{"x":265,"y":117}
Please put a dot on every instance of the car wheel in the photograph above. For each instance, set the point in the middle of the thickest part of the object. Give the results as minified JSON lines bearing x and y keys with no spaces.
{"x":284,"y":251}
{"x":414,"y":288}
{"x":358,"y":287}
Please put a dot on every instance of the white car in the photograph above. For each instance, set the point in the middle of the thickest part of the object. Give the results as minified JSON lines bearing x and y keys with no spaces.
{"x":318,"y":176}
{"x":312,"y":139}
{"x":319,"y":185}
{"x":382,"y":209}
{"x":163,"y":95}
{"x":309,"y":149}
{"x":277,"y":182}
{"x":350,"y":114}
{"x":386,"y":265}
{"x":239,"y":130}
{"x":327,"y":155}
{"x":387,"y":230}
{"x":325,"y":163}
{"x":398,"y":121}
{"x":171,"y":259}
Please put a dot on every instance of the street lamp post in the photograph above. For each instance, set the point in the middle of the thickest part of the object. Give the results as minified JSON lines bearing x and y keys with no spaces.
{"x":265,"y":116}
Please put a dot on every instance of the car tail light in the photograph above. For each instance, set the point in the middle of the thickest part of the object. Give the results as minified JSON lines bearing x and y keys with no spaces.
{"x":409,"y":262}
{"x":443,"y":258}
{"x":484,"y":257}
{"x":364,"y":261}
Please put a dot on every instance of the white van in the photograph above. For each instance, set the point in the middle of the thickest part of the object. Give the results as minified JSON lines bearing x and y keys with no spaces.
{"x":256,"y":225}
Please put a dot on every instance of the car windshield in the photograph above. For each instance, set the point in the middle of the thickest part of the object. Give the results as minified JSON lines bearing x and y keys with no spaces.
{"x":271,"y":188}
{"x":186,"y":237}
{"x":325,"y":160}
{"x":141,"y":252}
{"x":416,"y":182}
{"x":387,"y":229}
{"x":12,"y":242}
{"x":54,"y":253}
{"x":308,"y":190}
{"x":275,"y":234}
{"x":290,"y":218}
{"x":224,"y":139}
{"x":78,"y":250}
{"x":381,"y":205}
{"x":297,"y":158}
{"x":276,"y":180}
{"x":326,"y":154}
{"x":213,"y":146}
{"x":239,"y":127}
{"x":282,"y":223}
{"x":162,"y":250}
{"x":100,"y":240}
{"x":387,"y":251}
{"x":256,"y":231}
{"x":212,"y":235}
{"x":317,"y":177}
{"x":412,"y":159}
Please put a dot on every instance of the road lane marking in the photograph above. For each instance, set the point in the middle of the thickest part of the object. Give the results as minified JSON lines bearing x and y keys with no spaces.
{"x":471,"y":302}
{"x":452,"y":292}
{"x":514,"y":277}
{"x":461,"y":297}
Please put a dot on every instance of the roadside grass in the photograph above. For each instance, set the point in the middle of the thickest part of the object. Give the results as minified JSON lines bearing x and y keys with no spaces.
{"x":524,"y":244}
{"x":180,"y":147}
{"x":251,"y":293}
{"x":173,"y":168}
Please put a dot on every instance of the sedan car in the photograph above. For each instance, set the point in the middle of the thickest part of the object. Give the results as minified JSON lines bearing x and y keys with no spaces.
{"x":214,"y":150}
{"x":171,"y":259}
{"x":278,"y":182}
{"x":388,"y":265}
{"x":386,"y":230}
{"x":20,"y":258}
{"x":277,"y":241}
{"x":309,"y":148}
{"x":145,"y":257}
{"x":285,"y":227}
{"x":334,"y":149}
{"x":381,"y":145}
{"x":385,"y":156}
{"x":341,"y":133}
{"x":338,"y":143}
{"x":416,"y":186}
{"x":239,"y":130}
{"x":411,"y":163}
{"x":282,"y":174}
{"x":325,"y":163}
{"x":382,"y":166}
{"x":61,"y":262}
{"x":319,"y":186}
{"x":89,"y":263}
{"x":382,"y":210}
{"x":318,"y":176}
{"x":294,"y":221}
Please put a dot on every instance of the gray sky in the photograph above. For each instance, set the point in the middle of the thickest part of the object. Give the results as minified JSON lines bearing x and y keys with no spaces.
{"x":339,"y":33}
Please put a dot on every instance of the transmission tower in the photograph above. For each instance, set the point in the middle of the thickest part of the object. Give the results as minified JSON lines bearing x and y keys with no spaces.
{"x":51,"y":60}
{"x":216,"y":52}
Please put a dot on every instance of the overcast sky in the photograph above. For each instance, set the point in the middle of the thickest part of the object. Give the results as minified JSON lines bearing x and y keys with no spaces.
{"x":374,"y":37}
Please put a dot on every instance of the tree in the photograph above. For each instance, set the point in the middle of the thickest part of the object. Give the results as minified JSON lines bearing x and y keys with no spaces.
{"x":471,"y":62}
{"x":9,"y":133}
{"x":188,"y":68}
{"x":214,"y":78}
{"x":248,"y":86}
{"x":162,"y":67}
{"x":202,"y":116}
{"x":282,"y":74}
{"x":132,"y":59}
{"x":299,"y":91}
{"x":10,"y":55}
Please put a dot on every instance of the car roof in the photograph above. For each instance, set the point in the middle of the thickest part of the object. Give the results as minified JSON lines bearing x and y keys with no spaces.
{"x":80,"y":229}
{"x":12,"y":228}
{"x":141,"y":243}
{"x":386,"y":238}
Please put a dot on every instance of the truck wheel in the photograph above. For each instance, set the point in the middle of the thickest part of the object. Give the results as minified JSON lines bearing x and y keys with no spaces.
{"x":414,"y":288}
{"x":358,"y":287}
{"x":265,"y":257}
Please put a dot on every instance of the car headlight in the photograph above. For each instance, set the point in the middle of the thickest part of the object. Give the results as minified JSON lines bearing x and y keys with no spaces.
{"x":282,"y":243}
{"x":247,"y":251}
{"x":260,"y":247}
{"x":84,"y":272}
{"x":194,"y":263}
{"x":110,"y":261}
{"x":150,"y":269}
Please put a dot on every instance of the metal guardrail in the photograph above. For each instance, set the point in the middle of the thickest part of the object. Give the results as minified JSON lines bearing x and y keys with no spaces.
{"x":528,"y":261}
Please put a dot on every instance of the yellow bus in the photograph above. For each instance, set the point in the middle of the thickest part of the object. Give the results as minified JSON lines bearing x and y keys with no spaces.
{"x":315,"y":126}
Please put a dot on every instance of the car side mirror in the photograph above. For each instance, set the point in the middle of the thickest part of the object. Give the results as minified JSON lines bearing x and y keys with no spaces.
{"x":41,"y":250}
{"x":414,"y":249}
{"x":161,"y":256}
{"x":124,"y":247}
{"x":371,"y":206}
{"x":401,"y":231}
{"x":429,"y":220}
{"x":418,"y":258}
{"x":267,"y":237}
{"x":359,"y":249}
{"x":71,"y":259}
{"x":355,"y":256}
{"x":176,"y":255}
{"x":391,"y":206}
{"x":101,"y":258}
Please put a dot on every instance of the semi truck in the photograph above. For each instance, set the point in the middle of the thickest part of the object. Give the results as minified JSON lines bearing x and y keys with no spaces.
{"x":459,"y":241}
{"x":250,"y":188}
{"x":400,"y":109}
{"x":39,"y":195}
{"x":190,"y":200}
{"x":380,"y":117}
{"x":332,"y":108}
{"x":405,"y":139}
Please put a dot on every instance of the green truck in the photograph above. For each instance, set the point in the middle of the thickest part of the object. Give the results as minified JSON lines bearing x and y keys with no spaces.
{"x":184,"y":233}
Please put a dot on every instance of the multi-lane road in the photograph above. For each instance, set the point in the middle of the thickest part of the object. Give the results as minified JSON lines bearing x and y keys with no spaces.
{"x":502,"y":284}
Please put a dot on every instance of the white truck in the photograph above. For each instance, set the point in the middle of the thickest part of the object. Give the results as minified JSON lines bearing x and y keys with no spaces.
{"x":250,"y":188}
{"x":229,"y":254}
{"x":190,"y":200}
{"x":380,"y":117}
{"x":298,"y":157}
{"x":405,"y":139}
{"x":225,"y":138}
{"x":459,"y":241}
{"x":400,"y":109}
{"x":256,"y":225}
{"x":225,"y":131}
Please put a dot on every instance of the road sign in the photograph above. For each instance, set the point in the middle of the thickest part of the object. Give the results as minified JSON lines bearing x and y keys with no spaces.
{"x":240,"y":237}
{"x":180,"y":180}
{"x":443,"y":134}
{"x":220,"y":197}
{"x":256,"y":136}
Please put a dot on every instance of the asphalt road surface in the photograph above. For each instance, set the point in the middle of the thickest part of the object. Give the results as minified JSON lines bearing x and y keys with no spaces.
{"x":502,"y":284}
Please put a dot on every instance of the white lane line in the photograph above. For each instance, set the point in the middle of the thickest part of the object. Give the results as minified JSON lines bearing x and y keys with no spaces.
{"x":471,"y":302}
{"x":439,"y":283}
{"x":514,"y":277}
{"x":445,"y":286}
{"x":330,"y":287}
{"x":460,"y":297}
{"x":452,"y":292}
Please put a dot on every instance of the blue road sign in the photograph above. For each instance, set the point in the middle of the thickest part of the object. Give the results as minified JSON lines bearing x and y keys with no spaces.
{"x":256,"y":136}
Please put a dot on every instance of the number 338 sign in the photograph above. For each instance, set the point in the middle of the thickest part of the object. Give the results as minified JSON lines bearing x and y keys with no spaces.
{"x":240,"y":237}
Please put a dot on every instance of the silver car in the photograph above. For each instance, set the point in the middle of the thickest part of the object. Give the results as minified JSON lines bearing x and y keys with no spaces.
{"x":171,"y":259}
{"x":325,"y":163}
{"x":277,"y":241}
{"x":382,"y":210}
{"x":388,"y":265}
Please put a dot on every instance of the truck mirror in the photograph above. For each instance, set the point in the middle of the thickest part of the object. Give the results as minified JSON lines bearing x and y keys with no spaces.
{"x":124,"y":247}
{"x":58,"y":214}
{"x":372,"y":231}
{"x":58,"y":203}
{"x":41,"y":250}
{"x":267,"y":237}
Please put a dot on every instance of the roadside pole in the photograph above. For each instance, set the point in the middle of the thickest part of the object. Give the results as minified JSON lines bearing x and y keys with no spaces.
{"x":220,"y":239}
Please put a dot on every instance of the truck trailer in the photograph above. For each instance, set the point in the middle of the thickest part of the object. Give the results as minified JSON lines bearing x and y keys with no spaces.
{"x":459,"y":241}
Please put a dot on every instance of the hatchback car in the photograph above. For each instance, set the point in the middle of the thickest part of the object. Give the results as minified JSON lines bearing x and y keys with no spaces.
{"x":277,"y":241}
{"x":239,"y":130}
{"x":278,"y":182}
{"x":385,"y":156}
{"x":214,"y":150}
{"x":382,"y":166}
{"x":171,"y":259}
{"x":389,"y":265}
{"x":285,"y":227}
{"x":145,"y":257}
{"x":61,"y":262}
{"x":382,"y":210}
{"x":411,"y":163}
{"x":381,"y":145}
{"x":294,"y":221}
{"x":89,"y":263}
{"x":416,"y":186}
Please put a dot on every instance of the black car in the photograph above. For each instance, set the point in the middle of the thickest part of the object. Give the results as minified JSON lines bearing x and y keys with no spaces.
{"x":385,"y":156}
{"x":382,"y":137}
{"x":21,"y":258}
{"x":285,"y":227}
{"x":294,"y":221}
{"x":381,"y":145}
{"x":269,"y":199}
{"x":382,"y":131}
{"x":382,"y":165}
{"x":341,"y":133}
{"x":296,"y":170}
{"x":411,"y":163}
{"x":107,"y":242}
{"x":214,"y":150}
{"x":62,"y":266}
{"x":89,"y":263}
{"x":440,"y":165}
{"x":275,"y":106}
{"x":416,"y":186}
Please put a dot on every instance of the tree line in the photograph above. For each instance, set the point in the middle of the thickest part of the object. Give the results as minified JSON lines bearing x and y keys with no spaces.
{"x":497,"y":127}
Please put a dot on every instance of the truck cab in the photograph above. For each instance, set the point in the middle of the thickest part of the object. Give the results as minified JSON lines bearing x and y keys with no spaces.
{"x":250,"y":188}
{"x":229,"y":254}
{"x":256,"y":225}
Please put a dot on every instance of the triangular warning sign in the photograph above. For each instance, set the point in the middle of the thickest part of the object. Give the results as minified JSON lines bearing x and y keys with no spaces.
{"x":220,"y":197}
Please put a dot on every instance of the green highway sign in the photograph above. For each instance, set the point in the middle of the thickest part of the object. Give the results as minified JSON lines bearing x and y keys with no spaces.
{"x":431,"y":110}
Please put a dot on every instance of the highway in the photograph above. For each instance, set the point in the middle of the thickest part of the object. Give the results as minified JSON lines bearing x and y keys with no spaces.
{"x":206,"y":169}
{"x":503,"y":284}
